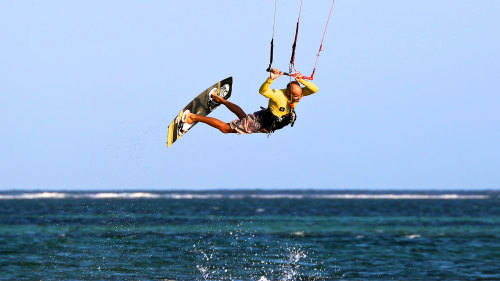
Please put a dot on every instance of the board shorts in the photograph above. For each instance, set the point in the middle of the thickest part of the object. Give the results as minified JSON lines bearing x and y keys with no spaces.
{"x":251,"y":124}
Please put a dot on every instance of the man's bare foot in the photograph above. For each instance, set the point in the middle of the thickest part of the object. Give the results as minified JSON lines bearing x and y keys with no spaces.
{"x":189,"y":118}
{"x":217,"y":98}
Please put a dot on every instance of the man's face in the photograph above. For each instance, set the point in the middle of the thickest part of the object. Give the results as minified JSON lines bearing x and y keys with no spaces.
{"x":294,"y":93}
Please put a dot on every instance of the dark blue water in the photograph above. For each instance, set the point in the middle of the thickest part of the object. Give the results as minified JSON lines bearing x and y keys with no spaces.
{"x":250,"y":235}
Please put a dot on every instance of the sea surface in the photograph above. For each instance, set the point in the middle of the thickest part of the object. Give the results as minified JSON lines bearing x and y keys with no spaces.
{"x":250,"y":235}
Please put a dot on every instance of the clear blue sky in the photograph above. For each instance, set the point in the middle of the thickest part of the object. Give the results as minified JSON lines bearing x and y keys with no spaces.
{"x":409,"y":94}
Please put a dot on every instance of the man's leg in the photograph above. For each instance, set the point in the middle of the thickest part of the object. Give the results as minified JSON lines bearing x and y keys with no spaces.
{"x":216,"y":123}
{"x":231,"y":106}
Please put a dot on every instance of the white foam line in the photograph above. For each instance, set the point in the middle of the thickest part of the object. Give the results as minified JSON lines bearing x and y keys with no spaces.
{"x":41,"y":195}
{"x":188,"y":196}
{"x":192,"y":196}
{"x":278,"y":196}
{"x":122,"y":195}
{"x":399,"y":196}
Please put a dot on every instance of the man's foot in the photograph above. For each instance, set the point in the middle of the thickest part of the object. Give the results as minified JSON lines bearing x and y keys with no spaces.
{"x":214,"y":97}
{"x":217,"y":98}
{"x":185,"y":123}
{"x":188,"y":117}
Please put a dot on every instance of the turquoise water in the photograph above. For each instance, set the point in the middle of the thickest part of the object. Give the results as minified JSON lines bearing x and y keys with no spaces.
{"x":250,"y":235}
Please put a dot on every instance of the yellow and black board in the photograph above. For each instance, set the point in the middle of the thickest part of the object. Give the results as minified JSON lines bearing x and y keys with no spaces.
{"x":201,"y":105}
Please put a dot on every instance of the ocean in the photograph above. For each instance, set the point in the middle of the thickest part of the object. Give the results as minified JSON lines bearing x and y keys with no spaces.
{"x":259,"y":235}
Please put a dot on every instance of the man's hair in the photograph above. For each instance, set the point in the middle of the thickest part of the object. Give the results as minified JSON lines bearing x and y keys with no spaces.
{"x":289,"y":85}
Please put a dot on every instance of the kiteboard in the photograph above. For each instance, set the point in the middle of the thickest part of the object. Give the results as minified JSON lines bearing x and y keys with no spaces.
{"x":201,"y":105}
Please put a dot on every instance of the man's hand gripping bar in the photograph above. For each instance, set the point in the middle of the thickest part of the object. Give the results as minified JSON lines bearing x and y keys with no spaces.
{"x":295,"y":74}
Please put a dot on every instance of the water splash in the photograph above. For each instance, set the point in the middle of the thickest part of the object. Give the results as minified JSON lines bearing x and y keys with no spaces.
{"x":239,"y":255}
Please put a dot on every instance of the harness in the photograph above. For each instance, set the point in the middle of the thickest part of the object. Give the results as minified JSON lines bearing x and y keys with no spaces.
{"x":271,"y":122}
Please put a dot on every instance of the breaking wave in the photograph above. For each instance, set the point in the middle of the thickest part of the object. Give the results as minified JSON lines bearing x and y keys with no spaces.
{"x":235,"y":195}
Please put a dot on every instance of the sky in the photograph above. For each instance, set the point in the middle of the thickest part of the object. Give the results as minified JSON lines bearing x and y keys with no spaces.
{"x":409,"y":94}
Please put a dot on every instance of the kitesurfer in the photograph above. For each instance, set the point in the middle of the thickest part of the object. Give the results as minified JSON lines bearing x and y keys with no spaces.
{"x":279,"y":113}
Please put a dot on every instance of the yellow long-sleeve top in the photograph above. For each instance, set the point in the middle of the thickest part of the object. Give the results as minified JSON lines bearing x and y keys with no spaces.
{"x":278,"y":102}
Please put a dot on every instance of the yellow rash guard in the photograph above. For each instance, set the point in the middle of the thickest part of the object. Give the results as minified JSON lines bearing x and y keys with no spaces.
{"x":278,"y":102}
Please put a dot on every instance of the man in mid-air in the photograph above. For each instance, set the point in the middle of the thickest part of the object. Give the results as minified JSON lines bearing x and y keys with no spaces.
{"x":279,"y":113}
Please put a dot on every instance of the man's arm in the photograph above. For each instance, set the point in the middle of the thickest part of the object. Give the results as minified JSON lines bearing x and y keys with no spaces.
{"x":309,"y":88}
{"x":265,"y":88}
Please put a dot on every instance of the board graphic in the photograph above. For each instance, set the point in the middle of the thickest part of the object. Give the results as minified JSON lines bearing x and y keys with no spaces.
{"x":201,"y":105}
